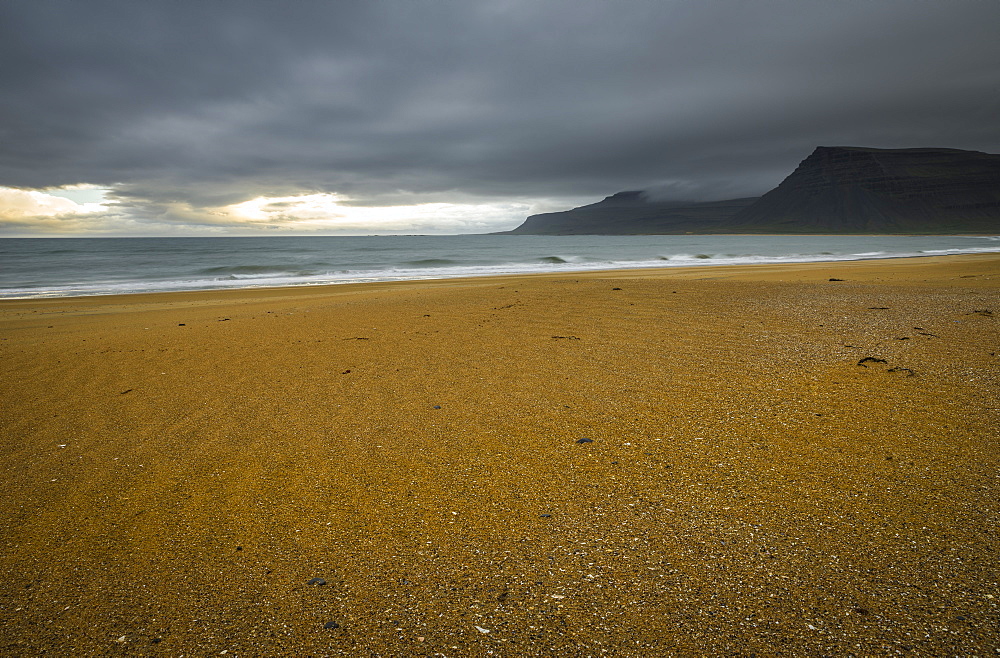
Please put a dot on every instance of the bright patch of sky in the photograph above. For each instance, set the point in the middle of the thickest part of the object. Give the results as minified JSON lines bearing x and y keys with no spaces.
{"x":75,"y":200}
{"x":328,"y":211}
{"x":81,"y":194}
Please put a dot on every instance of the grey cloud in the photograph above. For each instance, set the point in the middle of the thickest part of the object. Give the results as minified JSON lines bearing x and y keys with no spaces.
{"x":192,"y":105}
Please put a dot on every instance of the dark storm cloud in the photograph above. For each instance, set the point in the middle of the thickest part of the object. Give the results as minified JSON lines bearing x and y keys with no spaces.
{"x":185,"y":106}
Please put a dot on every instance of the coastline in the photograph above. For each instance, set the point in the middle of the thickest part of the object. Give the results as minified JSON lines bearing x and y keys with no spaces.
{"x":180,"y":465}
{"x":681,"y":271}
{"x":81,"y":268}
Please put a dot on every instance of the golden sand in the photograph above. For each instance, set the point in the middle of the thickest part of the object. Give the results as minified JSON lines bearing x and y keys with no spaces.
{"x":178,"y":467}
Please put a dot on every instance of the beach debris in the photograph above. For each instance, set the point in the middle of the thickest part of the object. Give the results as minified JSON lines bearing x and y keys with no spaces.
{"x":545,"y":516}
{"x":870,"y":359}
{"x":616,"y":288}
{"x":346,"y":371}
{"x":121,"y":640}
{"x":558,"y":596}
{"x":224,"y":320}
{"x":836,"y":279}
{"x":437,"y":406}
{"x":984,"y":312}
{"x":876,"y":308}
{"x":331,"y":625}
{"x":907,"y":371}
{"x":317,"y":581}
{"x":181,"y":325}
{"x":584,"y":440}
{"x":566,"y":337}
{"x":128,"y":390}
{"x":484,"y":631}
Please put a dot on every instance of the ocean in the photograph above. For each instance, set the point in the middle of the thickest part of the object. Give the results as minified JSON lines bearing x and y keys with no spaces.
{"x":60,"y":267}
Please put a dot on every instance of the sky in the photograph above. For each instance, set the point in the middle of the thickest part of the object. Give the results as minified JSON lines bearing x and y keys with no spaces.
{"x":168,"y":117}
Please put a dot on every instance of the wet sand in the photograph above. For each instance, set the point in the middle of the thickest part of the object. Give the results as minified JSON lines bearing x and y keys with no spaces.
{"x":177,"y":467}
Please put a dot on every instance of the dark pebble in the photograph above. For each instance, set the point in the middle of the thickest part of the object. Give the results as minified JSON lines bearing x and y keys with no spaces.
{"x":437,"y":406}
{"x":331,"y":624}
{"x":545,"y":516}
{"x":317,"y":581}
{"x":584,"y":440}
{"x":239,"y":548}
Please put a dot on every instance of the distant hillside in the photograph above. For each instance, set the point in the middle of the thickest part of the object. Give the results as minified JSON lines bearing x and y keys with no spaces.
{"x":630,"y":213}
{"x":834,"y":190}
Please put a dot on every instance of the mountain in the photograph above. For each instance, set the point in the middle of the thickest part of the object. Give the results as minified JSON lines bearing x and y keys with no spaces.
{"x":866,"y":190}
{"x":631,"y":213}
{"x":841,"y":189}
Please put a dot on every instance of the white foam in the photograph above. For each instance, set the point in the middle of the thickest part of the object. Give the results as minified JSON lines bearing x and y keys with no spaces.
{"x":579,"y":254}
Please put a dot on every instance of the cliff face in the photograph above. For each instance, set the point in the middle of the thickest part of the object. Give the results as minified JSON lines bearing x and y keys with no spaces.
{"x":630,"y":213}
{"x":865,"y":190}
{"x":839,"y":189}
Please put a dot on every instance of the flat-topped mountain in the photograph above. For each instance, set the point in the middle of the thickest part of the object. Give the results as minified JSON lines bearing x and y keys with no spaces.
{"x":842,"y":189}
{"x":866,"y":190}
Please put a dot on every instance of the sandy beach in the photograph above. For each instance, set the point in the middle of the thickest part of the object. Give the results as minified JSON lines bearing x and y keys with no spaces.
{"x":772,"y":460}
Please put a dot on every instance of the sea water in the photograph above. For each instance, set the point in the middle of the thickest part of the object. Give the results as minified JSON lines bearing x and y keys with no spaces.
{"x":56,"y":267}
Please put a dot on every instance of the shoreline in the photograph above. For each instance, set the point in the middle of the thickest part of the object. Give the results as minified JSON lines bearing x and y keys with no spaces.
{"x":778,"y":462}
{"x":655,"y":270}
